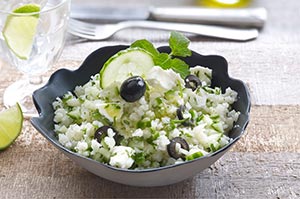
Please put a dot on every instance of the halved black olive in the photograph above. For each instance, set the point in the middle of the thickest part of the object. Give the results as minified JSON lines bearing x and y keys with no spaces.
{"x":133,"y":88}
{"x":192,"y":82}
{"x":180,"y":112}
{"x":171,"y":148}
{"x":102,"y":132}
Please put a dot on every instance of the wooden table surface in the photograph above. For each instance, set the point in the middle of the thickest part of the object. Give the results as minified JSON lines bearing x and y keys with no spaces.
{"x":265,"y":163}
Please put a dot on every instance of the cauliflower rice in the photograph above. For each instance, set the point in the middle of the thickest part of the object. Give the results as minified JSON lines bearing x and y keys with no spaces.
{"x":147,"y":126}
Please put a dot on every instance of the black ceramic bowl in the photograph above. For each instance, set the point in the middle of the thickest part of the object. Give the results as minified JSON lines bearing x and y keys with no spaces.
{"x":65,"y":80}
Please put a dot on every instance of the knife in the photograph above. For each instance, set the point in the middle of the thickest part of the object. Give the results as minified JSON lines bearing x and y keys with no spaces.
{"x":245,"y":17}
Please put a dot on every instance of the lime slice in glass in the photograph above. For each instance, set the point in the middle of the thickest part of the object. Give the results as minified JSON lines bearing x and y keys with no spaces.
{"x":20,"y":29}
{"x":11,"y":122}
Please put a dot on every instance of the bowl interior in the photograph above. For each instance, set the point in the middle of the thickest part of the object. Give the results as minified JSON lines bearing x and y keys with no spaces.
{"x":64,"y":80}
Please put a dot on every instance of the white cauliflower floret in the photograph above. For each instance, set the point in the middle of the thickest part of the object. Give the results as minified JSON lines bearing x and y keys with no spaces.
{"x":73,"y":102}
{"x":74,"y":132}
{"x":109,"y":139}
{"x":81,"y":148}
{"x":89,"y":129}
{"x":64,"y":140}
{"x":203,"y":73}
{"x":175,"y":133}
{"x":121,"y":157}
{"x":162,"y":141}
{"x":95,"y":145}
{"x":138,"y":133}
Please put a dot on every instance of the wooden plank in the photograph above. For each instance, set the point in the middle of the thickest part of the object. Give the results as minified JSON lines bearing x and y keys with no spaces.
{"x":272,"y":129}
{"x":236,"y":175}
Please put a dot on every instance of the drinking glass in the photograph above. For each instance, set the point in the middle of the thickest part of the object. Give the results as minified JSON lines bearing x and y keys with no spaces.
{"x":45,"y":47}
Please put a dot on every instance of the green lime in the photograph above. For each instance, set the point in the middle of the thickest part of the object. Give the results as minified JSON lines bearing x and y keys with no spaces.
{"x":11,"y":122}
{"x":19,"y":30}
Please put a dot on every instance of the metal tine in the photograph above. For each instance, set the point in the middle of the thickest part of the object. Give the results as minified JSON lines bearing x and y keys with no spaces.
{"x":83,"y":35}
{"x":82,"y":26}
{"x":81,"y":23}
{"x":89,"y":35}
{"x":81,"y":30}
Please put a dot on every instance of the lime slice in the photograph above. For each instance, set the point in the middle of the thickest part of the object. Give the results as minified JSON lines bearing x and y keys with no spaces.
{"x":19,"y":30}
{"x":11,"y":122}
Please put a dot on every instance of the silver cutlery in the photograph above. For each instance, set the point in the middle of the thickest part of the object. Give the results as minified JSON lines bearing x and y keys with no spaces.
{"x":104,"y":31}
{"x":243,"y":17}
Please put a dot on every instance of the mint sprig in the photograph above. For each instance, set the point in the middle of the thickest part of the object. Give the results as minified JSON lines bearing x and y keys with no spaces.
{"x":179,"y":45}
{"x":179,"y":48}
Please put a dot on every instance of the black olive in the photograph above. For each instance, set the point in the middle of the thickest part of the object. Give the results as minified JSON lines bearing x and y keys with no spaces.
{"x":102,"y":132}
{"x":171,"y":148}
{"x":133,"y":89}
{"x":192,"y":82}
{"x":180,"y":112}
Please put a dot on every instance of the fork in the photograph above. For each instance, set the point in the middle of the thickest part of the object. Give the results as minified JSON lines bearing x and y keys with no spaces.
{"x":104,"y":31}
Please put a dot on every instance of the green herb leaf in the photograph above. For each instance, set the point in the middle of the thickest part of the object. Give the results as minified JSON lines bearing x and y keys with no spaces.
{"x":139,"y":158}
{"x":143,"y":124}
{"x":146,"y":45}
{"x":180,"y":67}
{"x":213,"y":148}
{"x":163,"y":60}
{"x":179,"y":45}
{"x":193,"y":156}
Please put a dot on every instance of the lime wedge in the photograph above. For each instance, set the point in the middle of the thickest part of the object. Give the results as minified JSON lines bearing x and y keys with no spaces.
{"x":19,"y":30}
{"x":11,"y":122}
